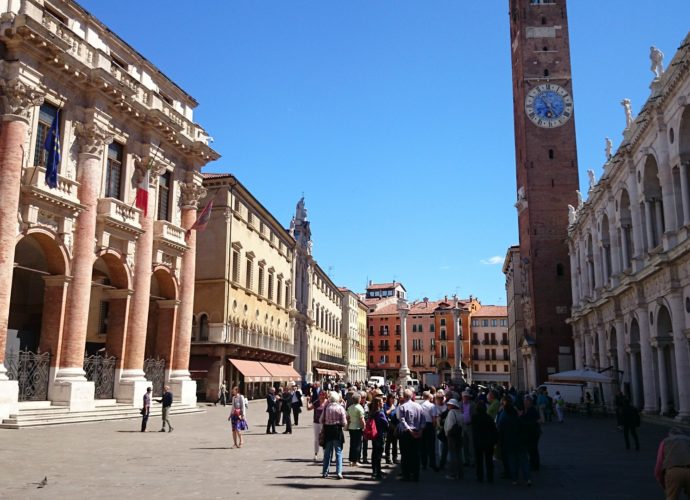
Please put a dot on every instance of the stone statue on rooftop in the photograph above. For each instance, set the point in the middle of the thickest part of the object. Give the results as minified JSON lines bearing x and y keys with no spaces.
{"x":301,"y":212}
{"x":609,"y":147}
{"x":628,"y":112}
{"x":579,"y":199}
{"x":657,"y":59}
{"x":572,"y":215}
{"x":592,"y":179}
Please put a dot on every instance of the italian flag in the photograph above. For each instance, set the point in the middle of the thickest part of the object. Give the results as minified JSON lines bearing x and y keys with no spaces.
{"x":142,"y":200}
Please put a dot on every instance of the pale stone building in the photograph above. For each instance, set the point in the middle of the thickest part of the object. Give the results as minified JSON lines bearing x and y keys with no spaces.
{"x":490,"y":346}
{"x":523,"y":369}
{"x":354,"y":335}
{"x":243,"y":330}
{"x":318,"y":309}
{"x":82,"y":270}
{"x":630,"y":253}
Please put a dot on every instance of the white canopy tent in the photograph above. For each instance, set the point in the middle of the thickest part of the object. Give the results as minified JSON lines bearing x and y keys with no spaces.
{"x":581,"y":375}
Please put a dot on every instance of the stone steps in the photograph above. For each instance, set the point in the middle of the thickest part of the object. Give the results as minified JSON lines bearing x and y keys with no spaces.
{"x":36,"y":416}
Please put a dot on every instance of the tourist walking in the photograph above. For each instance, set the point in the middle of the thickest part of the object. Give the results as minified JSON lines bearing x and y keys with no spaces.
{"x":377,"y":415}
{"x":333,"y":419}
{"x":485,"y":438}
{"x":166,"y":401}
{"x":630,"y":416}
{"x":317,"y":407}
{"x":467,"y":409}
{"x":355,"y":426}
{"x":532,"y":431}
{"x":389,"y":408}
{"x":559,"y":404}
{"x":286,"y":409}
{"x":237,"y":417}
{"x":296,"y":403}
{"x":146,"y":409}
{"x":672,"y":469}
{"x":453,"y":431}
{"x":222,"y":396}
{"x":411,"y":422}
{"x":271,"y":410}
{"x":513,"y":443}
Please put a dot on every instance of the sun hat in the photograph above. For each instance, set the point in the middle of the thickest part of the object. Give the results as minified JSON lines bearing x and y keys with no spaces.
{"x":453,"y":402}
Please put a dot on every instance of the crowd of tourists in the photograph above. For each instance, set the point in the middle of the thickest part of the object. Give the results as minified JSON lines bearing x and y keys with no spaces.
{"x":446,"y":430}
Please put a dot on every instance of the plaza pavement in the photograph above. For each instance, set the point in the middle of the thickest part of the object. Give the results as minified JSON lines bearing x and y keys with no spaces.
{"x":583,"y":458}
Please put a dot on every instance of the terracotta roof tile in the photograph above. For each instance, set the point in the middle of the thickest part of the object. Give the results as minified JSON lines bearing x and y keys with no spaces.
{"x":491,"y":311}
{"x":384,"y":286}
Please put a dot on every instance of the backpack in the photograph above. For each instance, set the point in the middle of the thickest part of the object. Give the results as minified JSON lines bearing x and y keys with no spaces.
{"x":370,"y":430}
{"x":455,"y":432}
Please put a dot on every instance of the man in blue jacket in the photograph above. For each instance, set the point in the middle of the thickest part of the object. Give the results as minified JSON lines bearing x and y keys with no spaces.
{"x":166,"y":401}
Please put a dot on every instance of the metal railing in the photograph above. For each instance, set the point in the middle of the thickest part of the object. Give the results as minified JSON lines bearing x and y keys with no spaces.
{"x":260,"y":341}
{"x":331,"y":359}
{"x":32,"y":372}
{"x":101,"y":371}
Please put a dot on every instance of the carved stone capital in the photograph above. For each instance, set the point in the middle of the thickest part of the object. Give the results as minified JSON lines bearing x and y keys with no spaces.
{"x":155,"y":167}
{"x":19,"y":99}
{"x":92,"y":138}
{"x":190,"y":194}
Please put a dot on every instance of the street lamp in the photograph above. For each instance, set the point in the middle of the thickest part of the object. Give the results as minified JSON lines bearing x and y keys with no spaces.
{"x":403,"y":311}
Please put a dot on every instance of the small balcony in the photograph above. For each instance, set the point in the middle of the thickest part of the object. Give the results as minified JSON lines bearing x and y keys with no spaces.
{"x":63,"y":196}
{"x":119,"y":216}
{"x":504,"y":341}
{"x":327,"y":358}
{"x":169,"y":235}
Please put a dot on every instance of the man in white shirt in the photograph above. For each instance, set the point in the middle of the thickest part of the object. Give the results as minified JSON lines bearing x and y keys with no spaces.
{"x":428,"y":454}
{"x":440,"y":446}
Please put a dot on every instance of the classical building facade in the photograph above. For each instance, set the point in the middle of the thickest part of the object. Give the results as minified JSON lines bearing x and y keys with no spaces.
{"x":546,"y":174}
{"x":318,"y":309}
{"x":243,"y":330}
{"x":82,"y":270}
{"x":512,"y":268}
{"x":630,"y":253}
{"x":490,"y":346}
{"x":354,"y":335}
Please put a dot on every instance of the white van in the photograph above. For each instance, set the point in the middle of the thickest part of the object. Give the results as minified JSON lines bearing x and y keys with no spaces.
{"x":413,"y":384}
{"x":376,"y":381}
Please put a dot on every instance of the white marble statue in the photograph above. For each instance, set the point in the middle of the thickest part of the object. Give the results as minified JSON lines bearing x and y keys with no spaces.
{"x":657,"y":59}
{"x":579,"y":199}
{"x":628,"y":112}
{"x":609,"y":147}
{"x":592,"y":179}
{"x":572,"y":215}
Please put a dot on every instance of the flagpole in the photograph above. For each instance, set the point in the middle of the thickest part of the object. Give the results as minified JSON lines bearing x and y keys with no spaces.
{"x":147,"y":167}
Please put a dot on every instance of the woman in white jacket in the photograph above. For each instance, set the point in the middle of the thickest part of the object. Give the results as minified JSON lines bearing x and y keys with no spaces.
{"x":452,"y":427}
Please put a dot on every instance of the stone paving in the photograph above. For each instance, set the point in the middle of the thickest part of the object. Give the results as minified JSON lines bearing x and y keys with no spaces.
{"x":583,"y":458}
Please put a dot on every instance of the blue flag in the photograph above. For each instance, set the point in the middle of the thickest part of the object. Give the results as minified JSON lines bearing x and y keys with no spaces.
{"x":52,"y":146}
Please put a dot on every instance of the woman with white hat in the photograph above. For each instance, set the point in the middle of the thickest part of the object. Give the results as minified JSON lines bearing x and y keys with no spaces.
{"x":453,"y":431}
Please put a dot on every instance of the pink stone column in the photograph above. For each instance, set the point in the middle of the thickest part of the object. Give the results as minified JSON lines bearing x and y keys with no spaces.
{"x":133,"y":367}
{"x":183,"y":387}
{"x":19,"y":100}
{"x":92,"y":139}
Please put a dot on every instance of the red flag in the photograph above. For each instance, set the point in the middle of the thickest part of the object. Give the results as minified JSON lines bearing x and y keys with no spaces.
{"x":142,"y":200}
{"x":202,"y":220}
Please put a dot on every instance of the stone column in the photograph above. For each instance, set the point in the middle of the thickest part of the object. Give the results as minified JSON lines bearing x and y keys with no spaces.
{"x":577,"y":339}
{"x":663,"y":379}
{"x":131,"y":382}
{"x":589,"y":359}
{"x":404,"y":374}
{"x":19,"y":101}
{"x":620,"y":352}
{"x":648,"y":386}
{"x":533,"y":367}
{"x":70,"y":385}
{"x":681,"y":350}
{"x":181,"y":383}
{"x":624,"y":248}
{"x":649,"y":224}
{"x":635,"y":377}
{"x":457,"y":369}
{"x":659,"y":216}
{"x":53,"y":317}
{"x":684,"y":192}
{"x":601,"y":336}
{"x":636,"y":215}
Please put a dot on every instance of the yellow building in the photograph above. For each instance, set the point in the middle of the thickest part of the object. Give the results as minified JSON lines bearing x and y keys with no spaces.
{"x":243,"y":332}
{"x":354,"y":333}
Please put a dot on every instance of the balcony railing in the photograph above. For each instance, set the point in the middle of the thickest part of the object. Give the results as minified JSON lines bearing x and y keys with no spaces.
{"x":260,"y":341}
{"x":168,"y":233}
{"x":35,"y":178}
{"x":327,"y":358}
{"x":119,"y":214}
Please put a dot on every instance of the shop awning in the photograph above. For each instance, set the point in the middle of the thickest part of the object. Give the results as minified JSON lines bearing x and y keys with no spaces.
{"x":326,"y":371}
{"x":281,"y":372}
{"x":253,"y":371}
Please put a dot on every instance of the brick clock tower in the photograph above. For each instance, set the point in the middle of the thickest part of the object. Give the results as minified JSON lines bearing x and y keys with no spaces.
{"x":547,"y":178}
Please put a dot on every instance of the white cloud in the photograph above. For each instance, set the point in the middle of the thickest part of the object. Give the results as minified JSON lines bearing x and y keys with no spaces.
{"x":492,"y":261}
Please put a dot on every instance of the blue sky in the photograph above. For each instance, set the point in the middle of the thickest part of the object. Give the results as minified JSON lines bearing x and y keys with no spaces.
{"x":393,"y":117}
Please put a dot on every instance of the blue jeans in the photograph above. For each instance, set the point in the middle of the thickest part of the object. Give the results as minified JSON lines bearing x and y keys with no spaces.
{"x":328,"y":452}
{"x":518,"y":461}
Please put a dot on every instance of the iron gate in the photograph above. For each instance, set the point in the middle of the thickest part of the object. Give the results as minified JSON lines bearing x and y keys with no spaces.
{"x":154,"y":368}
{"x":31,"y":371}
{"x":101,"y":371}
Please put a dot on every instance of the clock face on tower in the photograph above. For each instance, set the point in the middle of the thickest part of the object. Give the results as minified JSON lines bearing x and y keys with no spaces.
{"x":549,"y":105}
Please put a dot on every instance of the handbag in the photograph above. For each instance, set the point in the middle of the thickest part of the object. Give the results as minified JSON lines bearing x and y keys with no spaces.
{"x":322,"y":436}
{"x":236,"y":412}
{"x":142,"y":412}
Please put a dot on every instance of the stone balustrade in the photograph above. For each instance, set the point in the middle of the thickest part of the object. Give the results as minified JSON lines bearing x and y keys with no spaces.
{"x":119,"y":214}
{"x":35,"y":179}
